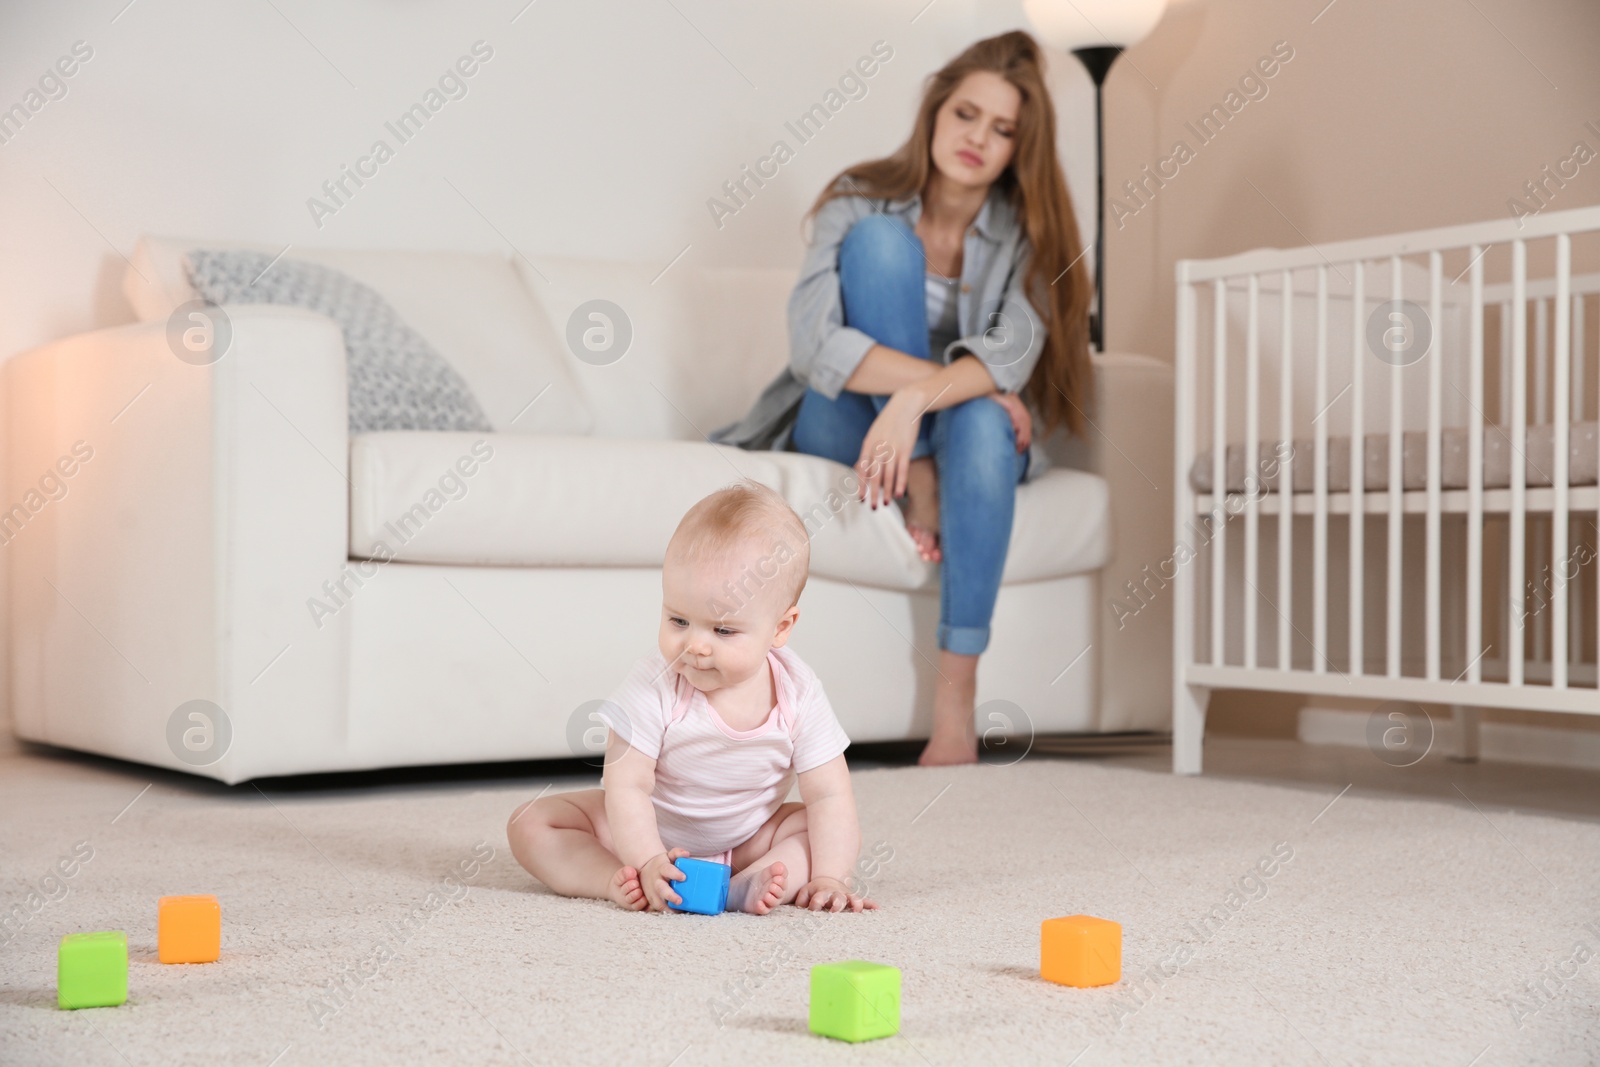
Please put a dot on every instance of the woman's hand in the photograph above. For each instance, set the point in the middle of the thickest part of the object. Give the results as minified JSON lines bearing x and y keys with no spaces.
{"x":830,"y":894}
{"x":656,"y":878}
{"x":886,"y":448}
{"x":1021,"y":420}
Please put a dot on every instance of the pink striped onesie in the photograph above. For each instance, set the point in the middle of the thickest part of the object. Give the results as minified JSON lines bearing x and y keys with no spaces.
{"x":716,"y":786}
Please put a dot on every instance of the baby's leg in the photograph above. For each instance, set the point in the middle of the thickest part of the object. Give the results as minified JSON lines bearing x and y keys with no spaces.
{"x":780,"y":868}
{"x":564,"y":841}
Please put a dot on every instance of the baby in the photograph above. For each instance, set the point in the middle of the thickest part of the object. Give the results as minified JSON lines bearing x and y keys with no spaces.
{"x":705,"y":739}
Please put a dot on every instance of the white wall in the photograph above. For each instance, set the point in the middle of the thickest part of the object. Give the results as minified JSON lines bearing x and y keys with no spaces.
{"x":594,"y":129}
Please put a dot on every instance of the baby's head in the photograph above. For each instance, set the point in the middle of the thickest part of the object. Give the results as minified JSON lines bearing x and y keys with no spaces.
{"x":731,"y":584}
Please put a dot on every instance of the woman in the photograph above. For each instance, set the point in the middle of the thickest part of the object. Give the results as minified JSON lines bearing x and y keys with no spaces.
{"x":942,"y":302}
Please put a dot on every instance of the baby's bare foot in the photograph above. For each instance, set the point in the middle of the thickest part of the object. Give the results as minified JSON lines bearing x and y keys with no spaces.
{"x":760,"y":892}
{"x":626,"y":890}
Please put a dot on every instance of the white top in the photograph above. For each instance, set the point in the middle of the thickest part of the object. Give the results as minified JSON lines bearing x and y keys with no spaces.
{"x":716,"y":786}
{"x":942,"y":320}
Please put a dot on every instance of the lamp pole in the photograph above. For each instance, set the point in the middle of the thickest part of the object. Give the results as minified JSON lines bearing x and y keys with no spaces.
{"x":1097,"y":61}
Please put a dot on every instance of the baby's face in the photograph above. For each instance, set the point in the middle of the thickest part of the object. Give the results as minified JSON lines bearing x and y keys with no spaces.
{"x":712,"y":632}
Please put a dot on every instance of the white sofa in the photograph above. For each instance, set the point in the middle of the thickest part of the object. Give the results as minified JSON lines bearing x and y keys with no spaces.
{"x":222,"y":502}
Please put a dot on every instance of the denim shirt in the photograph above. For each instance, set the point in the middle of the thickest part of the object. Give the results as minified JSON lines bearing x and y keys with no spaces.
{"x":996,"y":322}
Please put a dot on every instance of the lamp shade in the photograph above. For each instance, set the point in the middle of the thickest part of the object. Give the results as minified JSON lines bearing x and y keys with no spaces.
{"x":1071,"y":24}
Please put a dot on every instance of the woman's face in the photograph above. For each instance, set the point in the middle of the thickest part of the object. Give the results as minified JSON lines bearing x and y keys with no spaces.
{"x":974,"y":131}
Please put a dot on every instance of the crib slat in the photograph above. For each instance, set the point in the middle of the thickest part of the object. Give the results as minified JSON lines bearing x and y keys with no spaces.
{"x":1396,"y":528}
{"x":1519,"y":475}
{"x":1435,"y":358}
{"x":1184,"y":621}
{"x":1357,"y":468}
{"x":1558,"y":519}
{"x":1579,"y":359}
{"x":1505,"y":363}
{"x":1285,"y":477}
{"x":1538,"y":544}
{"x":1219,"y":451}
{"x":1541,"y":359}
{"x":1474,"y":649}
{"x":1319,"y":474}
{"x":1252,"y":429}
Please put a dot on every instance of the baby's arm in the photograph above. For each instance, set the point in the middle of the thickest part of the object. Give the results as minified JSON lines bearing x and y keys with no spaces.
{"x":629,"y":778}
{"x":834,"y":835}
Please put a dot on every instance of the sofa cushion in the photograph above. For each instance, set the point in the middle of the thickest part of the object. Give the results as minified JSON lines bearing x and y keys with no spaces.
{"x":1060,"y":526}
{"x":472,"y":308}
{"x":531,"y":501}
{"x":516,"y":500}
{"x":704,"y":340}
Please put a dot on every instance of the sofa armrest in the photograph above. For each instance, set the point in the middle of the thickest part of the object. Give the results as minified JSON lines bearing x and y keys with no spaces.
{"x":1130,"y":445}
{"x":205,"y":505}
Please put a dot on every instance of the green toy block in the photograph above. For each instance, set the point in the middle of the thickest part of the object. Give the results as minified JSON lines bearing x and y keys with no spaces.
{"x":92,"y":970}
{"x":855,"y":1000}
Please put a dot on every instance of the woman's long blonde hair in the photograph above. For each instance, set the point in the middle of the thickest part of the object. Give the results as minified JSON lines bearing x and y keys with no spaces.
{"x":1057,"y":279}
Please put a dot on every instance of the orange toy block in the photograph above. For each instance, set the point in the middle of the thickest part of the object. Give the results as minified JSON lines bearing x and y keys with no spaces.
{"x":189,"y":929}
{"x":1080,"y":950}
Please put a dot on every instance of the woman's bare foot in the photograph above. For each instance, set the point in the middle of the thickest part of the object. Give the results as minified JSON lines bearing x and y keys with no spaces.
{"x":626,"y":890}
{"x":955,"y":739}
{"x":920,"y":506}
{"x":760,"y":892}
{"x":944,"y":750}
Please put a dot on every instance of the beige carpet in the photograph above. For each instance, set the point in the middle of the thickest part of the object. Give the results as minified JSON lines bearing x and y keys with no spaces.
{"x":1400,"y":931}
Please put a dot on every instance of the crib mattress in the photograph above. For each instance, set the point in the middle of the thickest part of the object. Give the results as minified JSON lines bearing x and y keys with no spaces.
{"x":1583,"y":460}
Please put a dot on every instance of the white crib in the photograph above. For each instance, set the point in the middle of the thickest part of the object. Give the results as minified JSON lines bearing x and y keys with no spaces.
{"x":1473,"y":540}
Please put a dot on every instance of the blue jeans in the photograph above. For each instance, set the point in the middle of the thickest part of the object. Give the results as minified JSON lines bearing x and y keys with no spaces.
{"x":882,"y":269}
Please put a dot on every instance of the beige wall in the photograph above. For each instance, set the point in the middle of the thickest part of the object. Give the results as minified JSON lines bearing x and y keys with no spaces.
{"x":1388,"y":117}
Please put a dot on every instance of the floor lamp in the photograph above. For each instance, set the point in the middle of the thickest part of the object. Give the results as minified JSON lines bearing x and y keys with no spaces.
{"x":1096,"y":31}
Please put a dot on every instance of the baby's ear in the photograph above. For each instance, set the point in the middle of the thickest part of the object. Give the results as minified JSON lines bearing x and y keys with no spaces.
{"x":786,"y":626}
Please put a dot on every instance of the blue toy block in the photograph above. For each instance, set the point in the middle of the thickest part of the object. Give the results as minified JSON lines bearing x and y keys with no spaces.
{"x":705,"y":890}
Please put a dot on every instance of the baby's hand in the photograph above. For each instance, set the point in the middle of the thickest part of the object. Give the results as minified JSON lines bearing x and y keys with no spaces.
{"x":657,"y":876}
{"x":829,"y":894}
